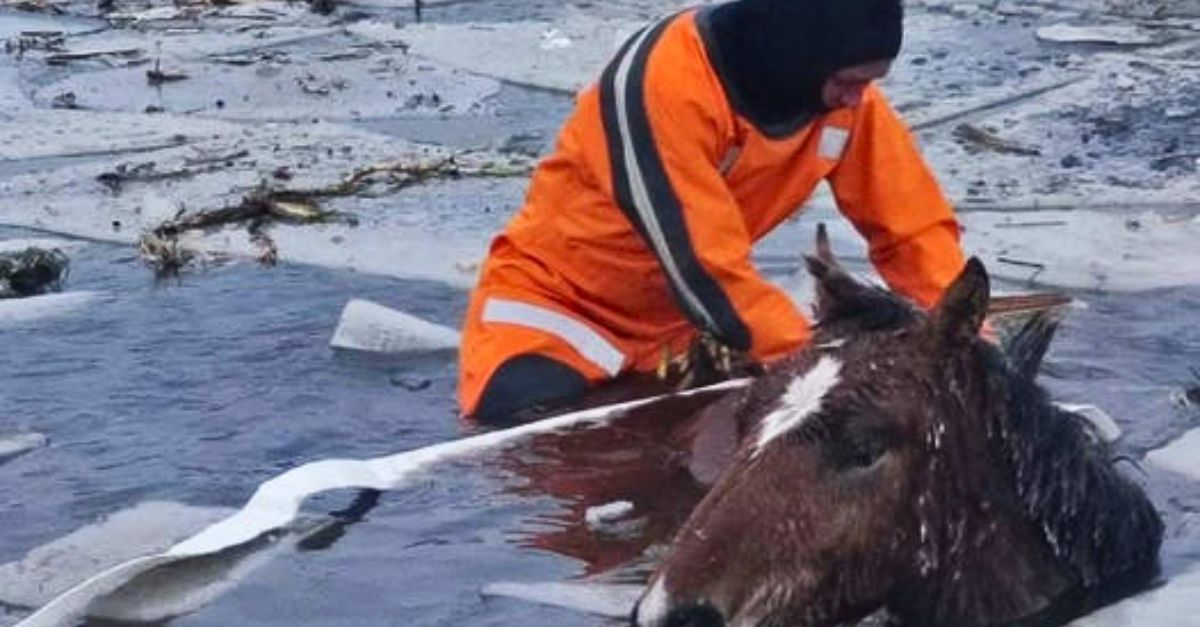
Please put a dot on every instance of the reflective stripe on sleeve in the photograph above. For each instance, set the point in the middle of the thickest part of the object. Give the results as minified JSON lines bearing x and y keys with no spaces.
{"x":644,"y":193}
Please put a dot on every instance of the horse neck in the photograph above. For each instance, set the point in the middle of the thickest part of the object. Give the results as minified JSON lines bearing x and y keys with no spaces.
{"x":1093,"y":518}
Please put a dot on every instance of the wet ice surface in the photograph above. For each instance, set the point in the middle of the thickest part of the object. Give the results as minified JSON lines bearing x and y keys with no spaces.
{"x":196,"y":392}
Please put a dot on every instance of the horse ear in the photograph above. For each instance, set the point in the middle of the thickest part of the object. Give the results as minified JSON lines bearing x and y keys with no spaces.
{"x":959,"y":315}
{"x":824,"y":248}
{"x":1026,"y":348}
{"x":822,"y":266}
{"x":837,"y":291}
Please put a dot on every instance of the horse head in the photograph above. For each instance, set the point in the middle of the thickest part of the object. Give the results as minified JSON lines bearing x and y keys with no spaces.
{"x":903,"y":462}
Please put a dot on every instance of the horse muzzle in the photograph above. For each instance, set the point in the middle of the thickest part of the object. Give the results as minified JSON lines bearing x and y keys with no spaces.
{"x":656,"y":609}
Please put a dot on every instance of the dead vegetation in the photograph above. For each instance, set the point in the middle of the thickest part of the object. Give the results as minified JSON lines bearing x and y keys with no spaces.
{"x":975,"y":139}
{"x":39,"y":41}
{"x":163,"y":251}
{"x":32,"y":271}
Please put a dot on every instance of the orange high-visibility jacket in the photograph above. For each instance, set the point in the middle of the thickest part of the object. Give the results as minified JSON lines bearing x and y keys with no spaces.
{"x":640,"y":224}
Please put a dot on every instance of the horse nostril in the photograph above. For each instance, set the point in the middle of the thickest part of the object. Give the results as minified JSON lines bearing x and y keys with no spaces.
{"x":695,"y":616}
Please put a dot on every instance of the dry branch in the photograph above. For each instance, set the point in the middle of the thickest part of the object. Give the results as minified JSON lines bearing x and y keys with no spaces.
{"x":265,"y":205}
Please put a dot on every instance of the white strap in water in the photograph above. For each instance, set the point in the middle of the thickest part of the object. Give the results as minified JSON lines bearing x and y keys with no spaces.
{"x":277,"y":501}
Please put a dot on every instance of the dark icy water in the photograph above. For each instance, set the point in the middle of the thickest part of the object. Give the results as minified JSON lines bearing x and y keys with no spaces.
{"x":196,"y":391}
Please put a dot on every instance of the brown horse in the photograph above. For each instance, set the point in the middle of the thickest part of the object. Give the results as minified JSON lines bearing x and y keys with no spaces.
{"x":903,"y":463}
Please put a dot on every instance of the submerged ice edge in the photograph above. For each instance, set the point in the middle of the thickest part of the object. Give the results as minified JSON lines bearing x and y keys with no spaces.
{"x":277,"y":501}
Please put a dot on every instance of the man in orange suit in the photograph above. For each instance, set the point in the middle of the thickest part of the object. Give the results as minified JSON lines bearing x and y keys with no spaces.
{"x":705,"y":131}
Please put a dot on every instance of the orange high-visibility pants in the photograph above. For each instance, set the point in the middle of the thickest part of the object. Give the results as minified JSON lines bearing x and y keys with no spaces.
{"x":510,"y":315}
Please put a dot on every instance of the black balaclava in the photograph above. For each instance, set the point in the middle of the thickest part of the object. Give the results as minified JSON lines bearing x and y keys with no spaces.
{"x":775,"y":55}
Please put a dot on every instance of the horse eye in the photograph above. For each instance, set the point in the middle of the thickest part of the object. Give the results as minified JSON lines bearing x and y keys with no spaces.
{"x":868,"y":450}
{"x":852,"y":449}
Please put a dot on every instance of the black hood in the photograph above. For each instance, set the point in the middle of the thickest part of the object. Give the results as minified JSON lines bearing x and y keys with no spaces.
{"x":774,"y":55}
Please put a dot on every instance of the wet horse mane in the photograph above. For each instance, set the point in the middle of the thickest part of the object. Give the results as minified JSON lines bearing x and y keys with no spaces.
{"x":1092,"y":534}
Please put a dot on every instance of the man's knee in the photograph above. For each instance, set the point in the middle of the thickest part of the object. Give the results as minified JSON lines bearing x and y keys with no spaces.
{"x":525,"y":383}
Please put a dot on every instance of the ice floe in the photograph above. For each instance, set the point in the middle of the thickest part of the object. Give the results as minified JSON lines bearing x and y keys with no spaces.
{"x":611,"y":600}
{"x":1181,"y":456}
{"x":11,"y":96}
{"x":13,"y":445}
{"x":115,"y":561}
{"x":613,"y":519}
{"x":53,"y":568}
{"x":1121,"y":34}
{"x":21,"y":310}
{"x":63,"y":133}
{"x":1091,"y":249}
{"x":563,"y":55}
{"x":1117,"y":251}
{"x":309,"y":85}
{"x":1176,"y":603}
{"x":19,"y":244}
{"x":1105,"y":426}
{"x":368,"y":326}
{"x":435,"y":230}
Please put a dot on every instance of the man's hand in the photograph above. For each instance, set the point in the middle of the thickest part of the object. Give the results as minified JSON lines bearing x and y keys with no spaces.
{"x":706,"y":361}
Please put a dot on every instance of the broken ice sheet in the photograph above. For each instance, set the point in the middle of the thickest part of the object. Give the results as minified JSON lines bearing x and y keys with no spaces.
{"x":611,"y":600}
{"x":1117,"y":34}
{"x":1181,"y":456}
{"x":51,"y":569}
{"x":149,"y":528}
{"x":380,"y":86}
{"x":16,"y":311}
{"x":519,"y":51}
{"x":371,"y":327}
{"x":1104,"y":252}
{"x":14,"y":445}
{"x":36,"y":134}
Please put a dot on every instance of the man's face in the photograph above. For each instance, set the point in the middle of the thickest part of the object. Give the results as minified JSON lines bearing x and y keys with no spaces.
{"x":845,"y":87}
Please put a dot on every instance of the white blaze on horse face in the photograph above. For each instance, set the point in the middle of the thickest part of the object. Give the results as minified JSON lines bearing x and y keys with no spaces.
{"x":801,"y":400}
{"x":654,"y":608}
